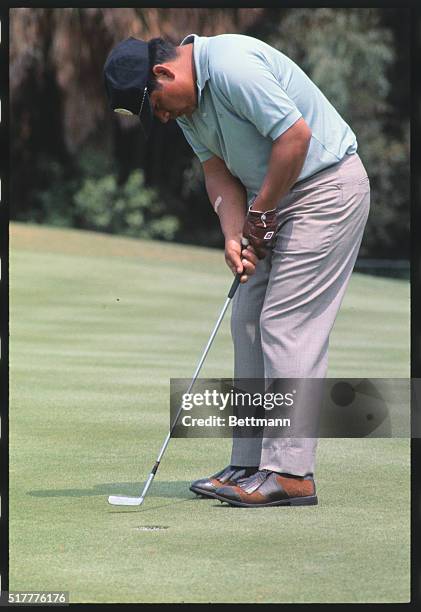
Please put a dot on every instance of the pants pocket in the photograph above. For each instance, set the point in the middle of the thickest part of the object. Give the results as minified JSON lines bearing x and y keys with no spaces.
{"x":307,"y":225}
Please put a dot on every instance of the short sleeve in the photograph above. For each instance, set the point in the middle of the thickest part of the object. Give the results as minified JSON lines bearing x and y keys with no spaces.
{"x":200,"y":150}
{"x":255,"y":94}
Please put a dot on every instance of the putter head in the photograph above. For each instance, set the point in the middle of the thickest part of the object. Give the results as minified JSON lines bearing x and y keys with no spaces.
{"x":122,"y":500}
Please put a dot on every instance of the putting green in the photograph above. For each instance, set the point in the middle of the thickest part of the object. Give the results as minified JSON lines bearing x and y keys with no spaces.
{"x":99,"y":325}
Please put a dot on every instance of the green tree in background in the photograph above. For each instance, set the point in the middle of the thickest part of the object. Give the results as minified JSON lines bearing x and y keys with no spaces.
{"x":349,"y":54}
{"x":76,"y":163}
{"x":131,"y":209}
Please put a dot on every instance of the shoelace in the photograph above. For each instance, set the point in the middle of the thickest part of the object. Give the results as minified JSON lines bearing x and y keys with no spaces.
{"x":226,"y":475}
{"x":253,"y":482}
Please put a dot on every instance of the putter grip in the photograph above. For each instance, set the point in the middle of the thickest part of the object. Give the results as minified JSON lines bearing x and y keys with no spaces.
{"x":236,"y":281}
{"x":234,"y":285}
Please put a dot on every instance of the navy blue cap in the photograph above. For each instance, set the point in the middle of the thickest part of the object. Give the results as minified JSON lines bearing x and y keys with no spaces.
{"x":126,"y":75}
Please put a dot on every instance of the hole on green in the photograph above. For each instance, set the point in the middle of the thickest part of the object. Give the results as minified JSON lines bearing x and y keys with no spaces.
{"x":151,"y":528}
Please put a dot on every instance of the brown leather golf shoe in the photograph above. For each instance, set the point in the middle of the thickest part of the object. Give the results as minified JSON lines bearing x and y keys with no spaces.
{"x":266,"y":488}
{"x":227,"y":477}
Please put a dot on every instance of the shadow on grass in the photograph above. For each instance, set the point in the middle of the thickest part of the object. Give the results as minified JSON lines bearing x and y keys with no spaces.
{"x":178,"y":489}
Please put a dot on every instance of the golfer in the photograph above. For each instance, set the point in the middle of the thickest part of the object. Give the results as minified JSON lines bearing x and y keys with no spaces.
{"x":281,"y":169}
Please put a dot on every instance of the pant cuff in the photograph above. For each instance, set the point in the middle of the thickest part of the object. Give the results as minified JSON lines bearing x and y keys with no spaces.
{"x":288,"y":469}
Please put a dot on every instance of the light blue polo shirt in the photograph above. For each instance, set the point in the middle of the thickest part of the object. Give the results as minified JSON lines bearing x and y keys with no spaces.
{"x":248,"y":95}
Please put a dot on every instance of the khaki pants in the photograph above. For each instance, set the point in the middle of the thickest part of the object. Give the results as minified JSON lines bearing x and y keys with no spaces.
{"x":282,"y":317}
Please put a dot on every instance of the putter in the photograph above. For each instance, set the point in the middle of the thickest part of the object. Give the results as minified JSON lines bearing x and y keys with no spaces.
{"x":122,"y":500}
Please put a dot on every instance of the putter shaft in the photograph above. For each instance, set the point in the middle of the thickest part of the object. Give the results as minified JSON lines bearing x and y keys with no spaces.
{"x":136,"y":501}
{"x":195,"y":375}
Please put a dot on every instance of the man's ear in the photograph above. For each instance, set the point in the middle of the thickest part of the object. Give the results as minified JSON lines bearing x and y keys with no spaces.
{"x":163,"y":71}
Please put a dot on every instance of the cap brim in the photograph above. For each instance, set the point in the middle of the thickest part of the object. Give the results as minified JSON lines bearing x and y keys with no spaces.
{"x":146,"y":117}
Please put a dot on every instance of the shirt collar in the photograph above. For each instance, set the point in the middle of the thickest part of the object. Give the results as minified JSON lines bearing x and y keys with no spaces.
{"x":200,"y":54}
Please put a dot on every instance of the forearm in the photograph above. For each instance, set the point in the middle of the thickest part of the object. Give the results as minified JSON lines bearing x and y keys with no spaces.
{"x":285,"y":164}
{"x":229,"y":199}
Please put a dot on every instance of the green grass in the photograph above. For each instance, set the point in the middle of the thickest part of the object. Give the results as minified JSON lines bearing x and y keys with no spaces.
{"x":99,"y":325}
